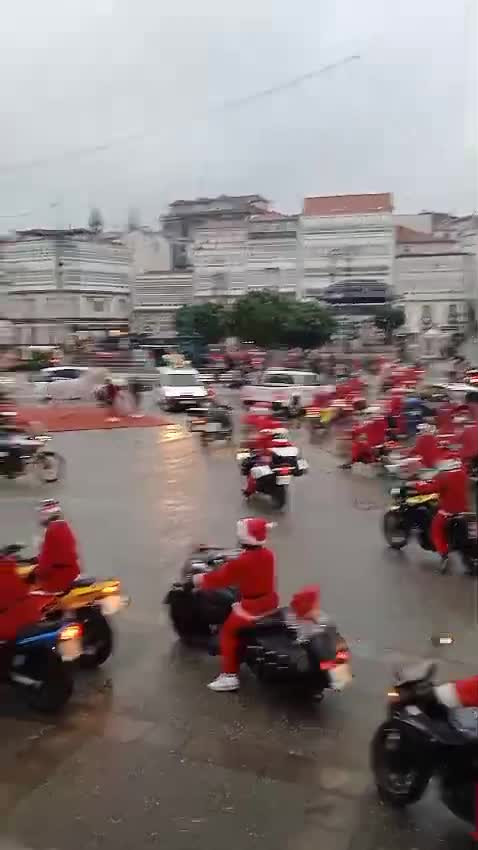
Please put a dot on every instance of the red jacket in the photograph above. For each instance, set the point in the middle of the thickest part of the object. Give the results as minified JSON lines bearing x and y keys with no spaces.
{"x":253,"y":573}
{"x":58,"y":564}
{"x":452,"y":488}
{"x":427,"y":448}
{"x":18,"y":608}
{"x":467,"y":691}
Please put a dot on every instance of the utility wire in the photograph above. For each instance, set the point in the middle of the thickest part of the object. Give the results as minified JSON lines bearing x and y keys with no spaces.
{"x":228,"y":105}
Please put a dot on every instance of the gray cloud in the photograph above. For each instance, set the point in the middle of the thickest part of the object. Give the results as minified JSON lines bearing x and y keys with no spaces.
{"x":82,"y":75}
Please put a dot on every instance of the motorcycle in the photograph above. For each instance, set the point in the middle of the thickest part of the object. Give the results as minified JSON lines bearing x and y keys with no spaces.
{"x":270,"y":645}
{"x":38,"y":663}
{"x":91,"y":601}
{"x":422,"y":739}
{"x":319,"y":420}
{"x":20,"y":451}
{"x":413,"y":513}
{"x":272,"y":479}
{"x":211,"y":422}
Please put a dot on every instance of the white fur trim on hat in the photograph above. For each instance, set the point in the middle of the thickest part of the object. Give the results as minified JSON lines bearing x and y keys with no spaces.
{"x":252,"y":531}
{"x":448,"y":695}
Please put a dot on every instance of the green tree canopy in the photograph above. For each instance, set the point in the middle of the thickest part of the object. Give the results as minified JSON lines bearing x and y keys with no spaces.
{"x":209,"y":321}
{"x":269,"y":319}
{"x":388,"y":319}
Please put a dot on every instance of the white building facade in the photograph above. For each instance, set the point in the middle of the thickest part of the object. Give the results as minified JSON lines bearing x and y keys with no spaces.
{"x":157,"y":298}
{"x":433,"y":282}
{"x":346,"y":238}
{"x":272,"y":256}
{"x":61,"y":282}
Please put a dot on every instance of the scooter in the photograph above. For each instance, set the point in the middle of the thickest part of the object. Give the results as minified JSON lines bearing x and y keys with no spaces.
{"x":211,"y":422}
{"x":91,"y":601}
{"x":270,"y":646}
{"x":38,"y":663}
{"x":273,"y":478}
{"x":421,"y":739}
{"x":413,"y":512}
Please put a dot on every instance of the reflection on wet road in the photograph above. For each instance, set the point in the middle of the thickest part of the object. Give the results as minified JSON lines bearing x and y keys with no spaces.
{"x":146,"y":755}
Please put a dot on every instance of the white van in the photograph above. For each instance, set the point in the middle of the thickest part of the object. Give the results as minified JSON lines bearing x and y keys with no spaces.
{"x":282,"y":386}
{"x":179,"y":389}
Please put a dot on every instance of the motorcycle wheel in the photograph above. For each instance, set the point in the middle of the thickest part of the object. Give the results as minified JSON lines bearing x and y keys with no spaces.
{"x":49,"y":467}
{"x":56,"y":683}
{"x":405,"y":784}
{"x":394,"y":532}
{"x":278,"y":496}
{"x":471,"y":563}
{"x":97,"y":639}
{"x":185,"y":625}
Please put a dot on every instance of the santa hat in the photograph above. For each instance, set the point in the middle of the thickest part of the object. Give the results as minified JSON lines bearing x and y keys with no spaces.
{"x":252,"y":531}
{"x":305,"y":600}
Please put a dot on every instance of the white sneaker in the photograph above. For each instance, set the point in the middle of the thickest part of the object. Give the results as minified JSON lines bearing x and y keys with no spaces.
{"x":225,"y":682}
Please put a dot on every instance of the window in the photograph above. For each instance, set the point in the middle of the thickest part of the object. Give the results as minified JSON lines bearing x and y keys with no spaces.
{"x":98,"y":305}
{"x":280,"y":378}
{"x":426,"y":316}
{"x":452,"y":314}
{"x":180,"y":379}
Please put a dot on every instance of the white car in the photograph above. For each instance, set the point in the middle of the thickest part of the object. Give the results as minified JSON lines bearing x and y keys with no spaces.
{"x":69,"y":383}
{"x":283,"y":386}
{"x":179,"y":389}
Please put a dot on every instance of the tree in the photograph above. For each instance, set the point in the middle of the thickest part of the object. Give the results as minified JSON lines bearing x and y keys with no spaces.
{"x":209,"y":321}
{"x":269,"y":319}
{"x":134,"y":219}
{"x":259,"y":317}
{"x":95,"y":220}
{"x":388,"y":319}
{"x":308,"y":325}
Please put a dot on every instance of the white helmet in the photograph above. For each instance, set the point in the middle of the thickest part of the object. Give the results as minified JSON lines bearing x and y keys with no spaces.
{"x":426,"y":428}
{"x":49,"y":509}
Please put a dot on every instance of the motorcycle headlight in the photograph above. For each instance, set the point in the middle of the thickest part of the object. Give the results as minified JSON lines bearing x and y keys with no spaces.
{"x":395,"y":492}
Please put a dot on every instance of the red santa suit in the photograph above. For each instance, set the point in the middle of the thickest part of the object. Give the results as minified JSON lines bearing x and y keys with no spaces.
{"x":427,"y":448}
{"x":18,"y":607}
{"x":264,"y":442}
{"x":452,"y":487}
{"x":463,"y":693}
{"x":58,"y":563}
{"x":366,"y":438}
{"x":253,"y":573}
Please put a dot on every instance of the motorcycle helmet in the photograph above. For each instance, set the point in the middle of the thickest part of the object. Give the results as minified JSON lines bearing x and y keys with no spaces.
{"x":426,"y":428}
{"x":252,"y":531}
{"x":48,"y":510}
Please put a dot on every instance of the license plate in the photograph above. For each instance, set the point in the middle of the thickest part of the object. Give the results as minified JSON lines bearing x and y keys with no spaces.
{"x":71,"y":649}
{"x":111,"y":605}
{"x":242,"y":456}
{"x":302,"y":464}
{"x":283,"y":479}
{"x":213,"y":426}
{"x":340,"y":676}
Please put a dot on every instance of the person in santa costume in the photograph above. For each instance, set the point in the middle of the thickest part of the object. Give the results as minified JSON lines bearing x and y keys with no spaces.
{"x":427,"y":447}
{"x":460,"y":694}
{"x":452,"y":485}
{"x":19,"y":608}
{"x":265,"y":441}
{"x":253,"y":573}
{"x":304,"y":612}
{"x":58,"y":564}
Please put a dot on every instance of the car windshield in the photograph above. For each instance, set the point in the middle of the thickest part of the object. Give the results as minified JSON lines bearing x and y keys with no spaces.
{"x":181,"y":379}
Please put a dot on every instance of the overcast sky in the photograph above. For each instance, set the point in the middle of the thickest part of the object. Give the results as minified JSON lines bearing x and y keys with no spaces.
{"x":148,"y":79}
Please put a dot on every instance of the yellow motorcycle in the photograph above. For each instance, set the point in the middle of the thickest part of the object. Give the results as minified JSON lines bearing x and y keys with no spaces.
{"x":91,"y":602}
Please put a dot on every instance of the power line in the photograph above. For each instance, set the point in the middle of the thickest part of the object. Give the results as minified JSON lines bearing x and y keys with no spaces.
{"x":90,"y":150}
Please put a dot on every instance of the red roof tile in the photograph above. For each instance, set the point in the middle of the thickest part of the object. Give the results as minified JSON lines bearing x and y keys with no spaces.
{"x":348,"y":204}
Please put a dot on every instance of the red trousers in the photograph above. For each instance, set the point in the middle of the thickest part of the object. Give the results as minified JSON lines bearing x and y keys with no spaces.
{"x":229,"y":641}
{"x":250,"y":485}
{"x":438,"y":532}
{"x":361,"y":452}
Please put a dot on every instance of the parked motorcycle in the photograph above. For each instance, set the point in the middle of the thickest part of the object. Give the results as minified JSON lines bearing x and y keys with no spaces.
{"x":38,"y":663}
{"x":92,"y":602}
{"x":270,"y":646}
{"x":421,"y":739}
{"x":20,"y":452}
{"x":412,"y":513}
{"x":273,"y":479}
{"x":212,"y":422}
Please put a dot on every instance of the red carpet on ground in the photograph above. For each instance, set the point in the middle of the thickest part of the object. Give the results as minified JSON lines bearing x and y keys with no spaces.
{"x":59,"y":417}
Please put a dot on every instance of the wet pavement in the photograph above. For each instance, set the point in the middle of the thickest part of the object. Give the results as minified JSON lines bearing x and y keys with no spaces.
{"x":146,"y":756}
